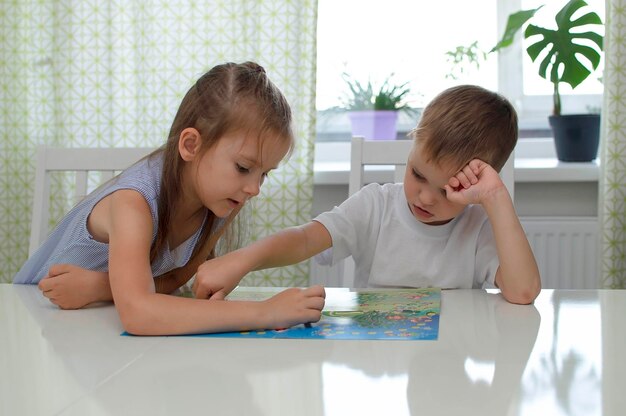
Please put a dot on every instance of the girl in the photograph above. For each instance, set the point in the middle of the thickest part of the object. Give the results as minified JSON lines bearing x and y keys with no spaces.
{"x":164,"y":215}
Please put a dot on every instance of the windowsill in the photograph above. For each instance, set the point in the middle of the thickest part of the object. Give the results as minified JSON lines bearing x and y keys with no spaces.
{"x":535,"y":161}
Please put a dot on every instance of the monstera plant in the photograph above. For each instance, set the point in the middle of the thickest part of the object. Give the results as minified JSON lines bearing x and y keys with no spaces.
{"x":559,"y":52}
{"x":562,"y":45}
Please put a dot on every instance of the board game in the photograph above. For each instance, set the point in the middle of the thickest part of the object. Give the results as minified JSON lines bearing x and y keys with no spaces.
{"x":389,"y":314}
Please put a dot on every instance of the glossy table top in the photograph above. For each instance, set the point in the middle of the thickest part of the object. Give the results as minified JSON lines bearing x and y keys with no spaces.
{"x":564,"y":355}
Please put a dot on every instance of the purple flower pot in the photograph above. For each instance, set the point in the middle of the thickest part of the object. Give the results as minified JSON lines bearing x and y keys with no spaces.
{"x":374,"y":125}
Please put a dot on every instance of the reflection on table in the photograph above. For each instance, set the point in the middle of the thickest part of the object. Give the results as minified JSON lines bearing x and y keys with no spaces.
{"x":564,"y":355}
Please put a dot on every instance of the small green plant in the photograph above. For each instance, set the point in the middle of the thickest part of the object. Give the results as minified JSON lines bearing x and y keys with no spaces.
{"x":560,"y":47}
{"x":463,"y":56}
{"x":361,"y":97}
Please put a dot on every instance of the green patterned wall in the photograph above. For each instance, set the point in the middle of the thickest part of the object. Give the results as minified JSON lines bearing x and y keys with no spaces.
{"x":111,"y":74}
{"x":612,"y":207}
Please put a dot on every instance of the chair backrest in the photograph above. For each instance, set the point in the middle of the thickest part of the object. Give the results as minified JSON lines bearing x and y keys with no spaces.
{"x":394,"y":153}
{"x":364,"y":153}
{"x":376,"y":152}
{"x":80,"y":162}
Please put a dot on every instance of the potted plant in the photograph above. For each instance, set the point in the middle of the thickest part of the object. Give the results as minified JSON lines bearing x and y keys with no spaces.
{"x":374,"y":114}
{"x":576,"y":136}
{"x":463,"y":58}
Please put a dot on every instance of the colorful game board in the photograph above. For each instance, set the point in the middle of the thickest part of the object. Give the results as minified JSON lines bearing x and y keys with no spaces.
{"x":406,"y":314}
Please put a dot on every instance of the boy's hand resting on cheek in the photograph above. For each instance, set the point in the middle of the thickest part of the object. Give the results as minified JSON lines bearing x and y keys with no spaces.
{"x":476,"y":183}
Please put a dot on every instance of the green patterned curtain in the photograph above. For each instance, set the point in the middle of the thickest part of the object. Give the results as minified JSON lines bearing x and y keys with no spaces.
{"x":612,"y":193}
{"x":78,"y":73}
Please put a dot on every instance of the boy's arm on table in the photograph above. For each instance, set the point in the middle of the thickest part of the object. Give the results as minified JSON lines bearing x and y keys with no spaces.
{"x":517,"y":276}
{"x":218,"y":276}
{"x":145,"y":312}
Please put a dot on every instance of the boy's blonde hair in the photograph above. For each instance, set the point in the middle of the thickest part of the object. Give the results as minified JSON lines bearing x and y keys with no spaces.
{"x":467,"y":122}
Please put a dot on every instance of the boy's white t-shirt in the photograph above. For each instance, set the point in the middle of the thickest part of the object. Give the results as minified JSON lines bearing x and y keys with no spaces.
{"x":391,"y":248}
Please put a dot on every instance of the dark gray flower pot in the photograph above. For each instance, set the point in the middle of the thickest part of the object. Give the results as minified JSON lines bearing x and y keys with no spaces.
{"x":576,"y":136}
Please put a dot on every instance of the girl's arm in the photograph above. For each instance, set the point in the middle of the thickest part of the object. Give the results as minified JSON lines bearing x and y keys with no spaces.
{"x":518,"y":274}
{"x":73,"y":287}
{"x":145,"y":312}
{"x":217,"y":277}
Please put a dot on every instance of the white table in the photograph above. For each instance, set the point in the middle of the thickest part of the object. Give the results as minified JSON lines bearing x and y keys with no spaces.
{"x":565,"y":355}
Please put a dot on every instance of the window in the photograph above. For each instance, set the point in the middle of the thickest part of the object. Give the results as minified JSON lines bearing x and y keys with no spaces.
{"x":370,"y":40}
{"x":531,"y":94}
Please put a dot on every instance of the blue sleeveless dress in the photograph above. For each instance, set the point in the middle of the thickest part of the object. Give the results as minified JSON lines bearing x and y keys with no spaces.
{"x":71,"y":243}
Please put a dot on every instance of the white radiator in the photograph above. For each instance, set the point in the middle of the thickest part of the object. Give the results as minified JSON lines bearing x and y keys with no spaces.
{"x":566,"y":249}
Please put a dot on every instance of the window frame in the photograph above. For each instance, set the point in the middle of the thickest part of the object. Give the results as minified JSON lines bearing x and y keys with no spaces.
{"x":533,"y":110}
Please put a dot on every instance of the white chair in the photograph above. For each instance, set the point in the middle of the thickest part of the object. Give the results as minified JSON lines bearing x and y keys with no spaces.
{"x":107,"y":161}
{"x":394,"y":153}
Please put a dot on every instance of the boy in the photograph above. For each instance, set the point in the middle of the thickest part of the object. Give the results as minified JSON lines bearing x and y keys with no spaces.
{"x":451,"y":224}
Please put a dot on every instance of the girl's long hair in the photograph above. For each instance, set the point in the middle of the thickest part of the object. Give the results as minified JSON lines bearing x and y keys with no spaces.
{"x":228,"y":97}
